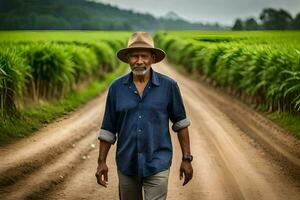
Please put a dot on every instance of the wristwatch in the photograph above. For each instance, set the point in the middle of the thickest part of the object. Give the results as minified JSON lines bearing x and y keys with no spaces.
{"x":187,"y":158}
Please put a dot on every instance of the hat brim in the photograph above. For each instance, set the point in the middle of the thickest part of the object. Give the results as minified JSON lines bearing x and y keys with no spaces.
{"x":122,"y":54}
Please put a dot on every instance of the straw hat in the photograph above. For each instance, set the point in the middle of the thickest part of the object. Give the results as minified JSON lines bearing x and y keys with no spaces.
{"x":141,"y":40}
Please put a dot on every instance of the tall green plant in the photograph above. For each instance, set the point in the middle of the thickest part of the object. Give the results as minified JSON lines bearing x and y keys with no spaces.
{"x":13,"y":73}
{"x":51,"y":68}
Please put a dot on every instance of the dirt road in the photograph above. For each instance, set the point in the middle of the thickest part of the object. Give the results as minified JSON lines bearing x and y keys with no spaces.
{"x":238,"y":154}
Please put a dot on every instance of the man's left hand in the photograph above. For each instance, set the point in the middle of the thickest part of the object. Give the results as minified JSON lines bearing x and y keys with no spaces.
{"x":186,"y":169}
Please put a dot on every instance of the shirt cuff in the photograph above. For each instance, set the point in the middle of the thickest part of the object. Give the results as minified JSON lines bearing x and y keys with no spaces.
{"x":181,"y":124}
{"x":107,"y":136}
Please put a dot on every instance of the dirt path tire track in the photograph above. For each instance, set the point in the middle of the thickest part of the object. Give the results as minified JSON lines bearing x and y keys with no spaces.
{"x":281,"y":145}
{"x":10,"y":175}
{"x":50,"y":174}
{"x":223,"y":141}
{"x":26,"y":158}
{"x":229,"y":162}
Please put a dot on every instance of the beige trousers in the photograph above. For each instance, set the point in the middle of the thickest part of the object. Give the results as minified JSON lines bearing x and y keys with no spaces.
{"x":155,"y":186}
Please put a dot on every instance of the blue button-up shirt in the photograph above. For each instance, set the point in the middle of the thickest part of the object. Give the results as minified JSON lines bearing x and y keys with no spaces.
{"x":140,"y":125}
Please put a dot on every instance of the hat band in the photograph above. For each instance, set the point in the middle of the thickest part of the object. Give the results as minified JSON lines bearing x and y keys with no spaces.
{"x":140,"y":45}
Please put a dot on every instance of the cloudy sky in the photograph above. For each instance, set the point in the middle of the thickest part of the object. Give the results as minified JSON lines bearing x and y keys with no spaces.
{"x":222,"y":11}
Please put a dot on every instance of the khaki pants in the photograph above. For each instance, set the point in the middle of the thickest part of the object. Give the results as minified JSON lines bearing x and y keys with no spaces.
{"x":155,"y":186}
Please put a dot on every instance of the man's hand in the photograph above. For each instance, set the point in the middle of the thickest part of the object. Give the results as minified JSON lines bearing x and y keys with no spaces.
{"x":101,"y":174}
{"x":186,"y":169}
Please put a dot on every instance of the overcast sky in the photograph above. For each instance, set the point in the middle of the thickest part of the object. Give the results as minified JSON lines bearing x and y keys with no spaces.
{"x":222,"y":11}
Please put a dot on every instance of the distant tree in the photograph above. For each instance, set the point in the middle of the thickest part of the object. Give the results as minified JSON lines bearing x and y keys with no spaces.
{"x":251,"y":24}
{"x":238,"y":25}
{"x":216,"y":25}
{"x":6,"y":5}
{"x":11,"y":21}
{"x":89,"y":25}
{"x":49,"y":22}
{"x":296,"y":22}
{"x":275,"y":19}
{"x":83,"y":14}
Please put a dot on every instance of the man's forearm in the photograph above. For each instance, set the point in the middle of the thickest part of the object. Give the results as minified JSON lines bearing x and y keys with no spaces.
{"x":184,"y":140}
{"x":103,"y":151}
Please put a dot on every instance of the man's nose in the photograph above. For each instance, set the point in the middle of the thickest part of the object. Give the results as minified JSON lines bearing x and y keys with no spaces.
{"x":140,"y":60}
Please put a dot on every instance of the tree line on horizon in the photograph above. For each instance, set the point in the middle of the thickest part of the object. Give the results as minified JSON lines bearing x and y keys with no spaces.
{"x":89,"y":15}
{"x":269,"y":19}
{"x":84,"y":15}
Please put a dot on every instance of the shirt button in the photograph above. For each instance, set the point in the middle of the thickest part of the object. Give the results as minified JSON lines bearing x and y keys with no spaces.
{"x":140,"y":116}
{"x":140,"y":130}
{"x":135,"y":92}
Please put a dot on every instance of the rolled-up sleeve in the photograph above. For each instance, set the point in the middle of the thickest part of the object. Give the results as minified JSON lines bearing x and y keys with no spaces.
{"x":176,"y":109}
{"x":108,"y":128}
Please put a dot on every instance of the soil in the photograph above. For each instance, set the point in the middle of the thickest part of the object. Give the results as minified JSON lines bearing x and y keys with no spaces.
{"x":238,"y":153}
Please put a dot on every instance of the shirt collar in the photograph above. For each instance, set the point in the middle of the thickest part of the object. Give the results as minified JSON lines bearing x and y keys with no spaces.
{"x":154,"y":77}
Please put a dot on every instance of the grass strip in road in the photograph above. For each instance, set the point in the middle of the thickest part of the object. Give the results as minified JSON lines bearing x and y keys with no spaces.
{"x":35,"y":117}
{"x":288,"y":121}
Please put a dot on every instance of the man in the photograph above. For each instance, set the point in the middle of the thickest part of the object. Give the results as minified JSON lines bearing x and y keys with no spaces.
{"x":137,"y":112}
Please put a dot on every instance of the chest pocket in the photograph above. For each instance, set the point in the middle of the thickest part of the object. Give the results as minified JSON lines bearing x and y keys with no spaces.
{"x":125,"y":106}
{"x":156,"y":110}
{"x":158,"y":105}
{"x":125,"y":101}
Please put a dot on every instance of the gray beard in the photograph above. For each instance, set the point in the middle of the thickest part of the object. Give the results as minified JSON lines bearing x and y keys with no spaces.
{"x":140,"y":70}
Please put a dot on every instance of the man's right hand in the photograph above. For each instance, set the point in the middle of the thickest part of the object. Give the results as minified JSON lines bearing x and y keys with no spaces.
{"x":101,"y":174}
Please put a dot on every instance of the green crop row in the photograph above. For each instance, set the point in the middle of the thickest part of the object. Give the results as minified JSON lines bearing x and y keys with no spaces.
{"x":263,"y":70}
{"x":34,"y":71}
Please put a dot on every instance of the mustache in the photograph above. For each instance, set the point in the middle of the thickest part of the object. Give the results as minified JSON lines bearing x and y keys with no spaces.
{"x":139,"y":66}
